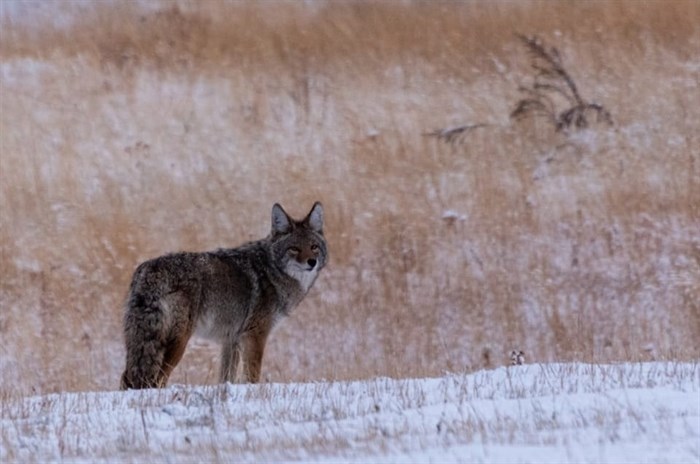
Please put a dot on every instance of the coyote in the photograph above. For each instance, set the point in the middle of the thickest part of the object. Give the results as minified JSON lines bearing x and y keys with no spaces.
{"x":234,"y":296}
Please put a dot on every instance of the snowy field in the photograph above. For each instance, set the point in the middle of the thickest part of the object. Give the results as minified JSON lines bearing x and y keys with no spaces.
{"x":648,"y":412}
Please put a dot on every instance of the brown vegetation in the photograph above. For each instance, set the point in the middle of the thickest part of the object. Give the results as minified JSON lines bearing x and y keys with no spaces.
{"x":131,"y":133}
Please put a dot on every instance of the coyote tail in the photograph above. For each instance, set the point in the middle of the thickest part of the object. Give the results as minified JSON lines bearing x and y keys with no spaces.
{"x":145,"y":346}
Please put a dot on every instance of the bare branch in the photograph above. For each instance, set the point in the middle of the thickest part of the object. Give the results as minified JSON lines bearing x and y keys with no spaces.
{"x":453,"y":134}
{"x":550,"y":79}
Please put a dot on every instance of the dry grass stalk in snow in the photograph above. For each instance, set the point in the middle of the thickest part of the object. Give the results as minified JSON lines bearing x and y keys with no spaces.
{"x":551,"y":82}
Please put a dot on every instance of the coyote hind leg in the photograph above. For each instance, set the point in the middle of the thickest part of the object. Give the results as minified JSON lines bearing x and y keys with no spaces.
{"x":155,"y":371}
{"x":157,"y":332}
{"x":173,"y":354}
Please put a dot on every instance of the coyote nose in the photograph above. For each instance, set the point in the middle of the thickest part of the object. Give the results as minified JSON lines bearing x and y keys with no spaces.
{"x":311,"y":262}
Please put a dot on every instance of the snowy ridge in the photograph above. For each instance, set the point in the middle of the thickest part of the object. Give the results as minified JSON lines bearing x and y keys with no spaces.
{"x":645,"y":412}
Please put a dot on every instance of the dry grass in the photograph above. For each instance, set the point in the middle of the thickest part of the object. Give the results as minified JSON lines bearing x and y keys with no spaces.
{"x":131,"y":133}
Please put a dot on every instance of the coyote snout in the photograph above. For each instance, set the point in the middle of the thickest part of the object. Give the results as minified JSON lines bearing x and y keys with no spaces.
{"x":234,"y":296}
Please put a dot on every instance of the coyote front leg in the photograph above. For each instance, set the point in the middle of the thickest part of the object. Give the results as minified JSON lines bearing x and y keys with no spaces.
{"x":253,"y":350}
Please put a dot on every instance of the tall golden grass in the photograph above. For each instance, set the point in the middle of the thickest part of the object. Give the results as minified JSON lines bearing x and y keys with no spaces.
{"x":132,"y":132}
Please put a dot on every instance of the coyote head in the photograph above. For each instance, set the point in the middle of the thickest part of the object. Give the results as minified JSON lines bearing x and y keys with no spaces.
{"x":299,"y":247}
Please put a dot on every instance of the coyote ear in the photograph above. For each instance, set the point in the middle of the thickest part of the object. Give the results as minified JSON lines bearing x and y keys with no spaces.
{"x":315,"y":218}
{"x":280,"y":220}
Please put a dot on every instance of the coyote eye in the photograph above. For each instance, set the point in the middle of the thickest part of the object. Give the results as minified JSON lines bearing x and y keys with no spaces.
{"x":293,"y":251}
{"x":314,"y":248}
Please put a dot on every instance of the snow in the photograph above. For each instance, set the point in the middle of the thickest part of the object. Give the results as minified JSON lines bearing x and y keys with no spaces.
{"x":633,"y":412}
{"x":451,"y":215}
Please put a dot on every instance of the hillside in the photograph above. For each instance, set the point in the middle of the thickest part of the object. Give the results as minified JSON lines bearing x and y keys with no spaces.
{"x":647,"y":412}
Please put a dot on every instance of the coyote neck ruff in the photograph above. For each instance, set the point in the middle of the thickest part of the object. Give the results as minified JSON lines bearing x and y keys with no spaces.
{"x":234,"y":296}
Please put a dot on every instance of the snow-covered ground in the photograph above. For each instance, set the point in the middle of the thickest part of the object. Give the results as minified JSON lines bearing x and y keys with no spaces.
{"x":648,"y":412}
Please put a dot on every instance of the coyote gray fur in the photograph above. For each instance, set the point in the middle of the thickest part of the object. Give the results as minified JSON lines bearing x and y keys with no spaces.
{"x":234,"y":296}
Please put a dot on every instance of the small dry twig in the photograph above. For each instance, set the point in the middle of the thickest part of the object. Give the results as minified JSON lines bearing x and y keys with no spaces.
{"x":453,"y":134}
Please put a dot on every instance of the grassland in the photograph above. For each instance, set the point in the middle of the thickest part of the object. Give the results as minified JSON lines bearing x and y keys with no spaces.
{"x":127,"y":132}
